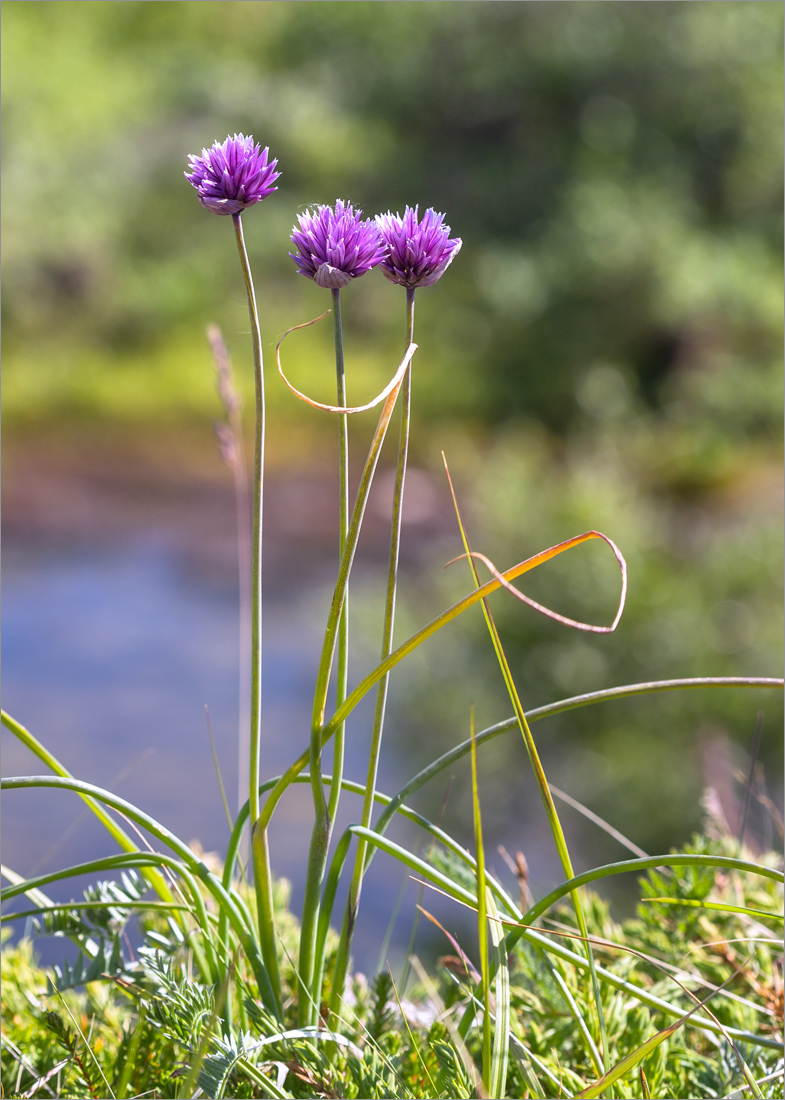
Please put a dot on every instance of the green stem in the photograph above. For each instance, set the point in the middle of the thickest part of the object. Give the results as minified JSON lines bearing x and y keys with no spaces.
{"x":361,"y":858}
{"x":320,"y":837}
{"x":326,"y":816}
{"x":342,"y":670}
{"x":256,"y":546}
{"x":260,"y":856}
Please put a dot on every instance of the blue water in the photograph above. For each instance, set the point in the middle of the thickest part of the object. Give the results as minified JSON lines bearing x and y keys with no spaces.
{"x":110,"y":657}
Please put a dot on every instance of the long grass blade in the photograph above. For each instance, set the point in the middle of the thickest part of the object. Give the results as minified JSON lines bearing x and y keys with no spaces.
{"x":671,"y":860}
{"x":550,"y":807}
{"x":31,"y":742}
{"x":509,"y":725}
{"x":482,"y":921}
{"x":501,"y":1047}
{"x":458,"y":608}
{"x":720,"y":906}
{"x":238,"y":917}
{"x":636,"y":1056}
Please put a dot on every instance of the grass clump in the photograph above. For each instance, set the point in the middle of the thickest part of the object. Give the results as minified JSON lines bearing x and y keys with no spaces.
{"x":153,"y":1028}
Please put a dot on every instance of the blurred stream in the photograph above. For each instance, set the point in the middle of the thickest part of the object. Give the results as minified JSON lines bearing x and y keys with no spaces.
{"x":111,"y":655}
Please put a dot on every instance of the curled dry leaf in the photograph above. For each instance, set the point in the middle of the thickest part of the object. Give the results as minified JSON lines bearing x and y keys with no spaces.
{"x":396,"y":378}
{"x":546,"y":555}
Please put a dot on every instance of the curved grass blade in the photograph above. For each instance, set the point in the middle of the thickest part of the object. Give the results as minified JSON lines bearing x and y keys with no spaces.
{"x":31,"y":742}
{"x":565,"y":620}
{"x":342,"y":409}
{"x":544,"y":943}
{"x":465,"y":897}
{"x":722,"y":907}
{"x":536,"y":714}
{"x":672,"y":860}
{"x":67,"y":906}
{"x":431,"y":628}
{"x":236,"y":913}
{"x":534,"y":758}
{"x":125,"y":860}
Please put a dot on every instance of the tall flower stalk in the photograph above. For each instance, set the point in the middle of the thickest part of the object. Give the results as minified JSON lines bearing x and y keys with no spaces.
{"x":333,"y":247}
{"x":342,"y":668}
{"x":416,"y":253}
{"x":259,"y":851}
{"x":228,"y":178}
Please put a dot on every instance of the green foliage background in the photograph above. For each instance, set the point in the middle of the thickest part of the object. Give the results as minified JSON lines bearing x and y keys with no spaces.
{"x":605,"y":352}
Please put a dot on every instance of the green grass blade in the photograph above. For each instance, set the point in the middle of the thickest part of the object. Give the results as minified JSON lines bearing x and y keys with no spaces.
{"x":636,"y":1056}
{"x":31,"y":742}
{"x":501,"y":1048}
{"x":36,"y":896}
{"x":626,"y":691}
{"x":237,"y":915}
{"x":720,"y":906}
{"x":67,"y":906}
{"x":629,"y":1062}
{"x":451,"y":613}
{"x":135,"y":1042}
{"x":531,"y":748}
{"x":482,"y":922}
{"x":94,"y":866}
{"x":672,"y":860}
{"x":414,"y":863}
{"x":509,"y":725}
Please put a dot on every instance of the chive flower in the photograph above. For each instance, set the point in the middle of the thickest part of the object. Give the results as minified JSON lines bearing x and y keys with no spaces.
{"x":335,"y":246}
{"x":416,"y":253}
{"x":232,"y":175}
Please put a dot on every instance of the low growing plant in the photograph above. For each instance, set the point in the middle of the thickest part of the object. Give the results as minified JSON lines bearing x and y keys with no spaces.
{"x":230,"y":995}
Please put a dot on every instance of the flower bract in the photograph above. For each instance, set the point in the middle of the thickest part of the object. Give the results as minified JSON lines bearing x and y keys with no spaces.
{"x":335,"y":246}
{"x":416,"y":252}
{"x":232,"y":175}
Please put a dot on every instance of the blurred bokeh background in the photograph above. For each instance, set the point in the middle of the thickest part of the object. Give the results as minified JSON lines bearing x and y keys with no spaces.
{"x":605,"y":352}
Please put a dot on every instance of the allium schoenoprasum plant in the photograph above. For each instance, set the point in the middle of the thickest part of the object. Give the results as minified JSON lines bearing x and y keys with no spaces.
{"x":233,"y":995}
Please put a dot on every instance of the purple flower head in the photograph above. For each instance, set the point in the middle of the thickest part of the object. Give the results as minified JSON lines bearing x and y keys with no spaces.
{"x":335,"y":246}
{"x":232,"y":175}
{"x":416,"y":253}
